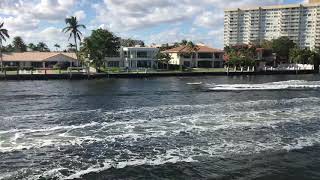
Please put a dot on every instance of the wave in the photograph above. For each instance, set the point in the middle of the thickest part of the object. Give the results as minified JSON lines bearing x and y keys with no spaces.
{"x":194,"y":83}
{"x":163,"y":121}
{"x":23,"y":139}
{"x":191,"y":154}
{"x":169,"y":157}
{"x":48,"y":114}
{"x":182,"y":132}
{"x":282,"y":85}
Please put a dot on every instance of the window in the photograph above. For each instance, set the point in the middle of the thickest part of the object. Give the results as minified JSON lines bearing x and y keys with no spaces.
{"x":36,"y":64}
{"x":217,"y":55}
{"x":142,"y":54}
{"x":144,"y":64}
{"x":205,"y":55}
{"x":186,"y":63}
{"x":113,"y":64}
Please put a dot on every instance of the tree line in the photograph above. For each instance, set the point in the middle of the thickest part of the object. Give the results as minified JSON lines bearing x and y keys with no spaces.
{"x":283,"y":49}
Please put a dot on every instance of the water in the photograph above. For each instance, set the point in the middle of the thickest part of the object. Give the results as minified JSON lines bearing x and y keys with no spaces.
{"x":262,"y":127}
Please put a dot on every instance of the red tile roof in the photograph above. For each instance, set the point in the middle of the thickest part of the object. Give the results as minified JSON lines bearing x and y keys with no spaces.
{"x":34,"y":56}
{"x":200,"y":48}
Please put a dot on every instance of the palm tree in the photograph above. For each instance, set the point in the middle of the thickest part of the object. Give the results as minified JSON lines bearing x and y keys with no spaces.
{"x":73,"y":27}
{"x":192,"y":49}
{"x":42,"y":47}
{"x":57,"y":46}
{"x":3,"y":37}
{"x":71,"y":47}
{"x":32,"y":46}
{"x":163,"y":58}
{"x":19,"y":44}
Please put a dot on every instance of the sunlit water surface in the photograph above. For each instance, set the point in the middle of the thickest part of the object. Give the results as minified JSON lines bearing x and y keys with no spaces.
{"x":258,"y":127}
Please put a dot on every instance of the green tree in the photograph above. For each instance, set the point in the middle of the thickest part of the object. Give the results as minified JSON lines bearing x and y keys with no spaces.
{"x":19,"y":44}
{"x":131,"y":43}
{"x":57,"y":46}
{"x":71,"y":47}
{"x":316,"y":59}
{"x":266,"y":44}
{"x":73,"y":28}
{"x":184,"y":42}
{"x":99,"y":45}
{"x":42,"y":47}
{"x":301,"y":56}
{"x":240,"y":55}
{"x":3,"y":37}
{"x":282,"y":46}
{"x":33,"y":47}
{"x":163,"y":58}
{"x":9,"y":48}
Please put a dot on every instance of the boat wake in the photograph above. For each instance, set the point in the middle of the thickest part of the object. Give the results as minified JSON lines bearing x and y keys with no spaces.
{"x":282,"y":85}
{"x":158,"y":135}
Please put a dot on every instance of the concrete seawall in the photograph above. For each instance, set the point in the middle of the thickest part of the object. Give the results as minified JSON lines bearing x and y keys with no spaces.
{"x":141,"y":75}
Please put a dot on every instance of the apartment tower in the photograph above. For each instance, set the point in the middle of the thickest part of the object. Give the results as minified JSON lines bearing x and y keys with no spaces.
{"x":299,"y":22}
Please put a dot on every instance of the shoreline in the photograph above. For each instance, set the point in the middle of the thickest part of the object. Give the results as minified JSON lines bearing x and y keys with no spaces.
{"x":25,"y":77}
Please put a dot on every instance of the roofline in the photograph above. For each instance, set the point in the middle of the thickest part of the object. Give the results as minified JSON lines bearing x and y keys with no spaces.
{"x":272,"y":7}
{"x":215,"y":51}
{"x":218,"y":51}
{"x":58,"y":55}
{"x":33,"y":60}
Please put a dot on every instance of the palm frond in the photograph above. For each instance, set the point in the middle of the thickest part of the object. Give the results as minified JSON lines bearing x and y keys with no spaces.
{"x":2,"y":37}
{"x":81,"y":26}
{"x":66,"y":29}
{"x":79,"y":37}
{"x":5,"y":32}
{"x":70,"y":36}
{"x":79,"y":32}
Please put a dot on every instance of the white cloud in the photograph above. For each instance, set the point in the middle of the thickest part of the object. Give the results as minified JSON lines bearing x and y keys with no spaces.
{"x":81,"y":15}
{"x":170,"y":20}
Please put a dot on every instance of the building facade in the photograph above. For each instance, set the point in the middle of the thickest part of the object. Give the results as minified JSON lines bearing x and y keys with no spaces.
{"x":134,"y":58}
{"x":201,"y":57}
{"x":299,"y":22}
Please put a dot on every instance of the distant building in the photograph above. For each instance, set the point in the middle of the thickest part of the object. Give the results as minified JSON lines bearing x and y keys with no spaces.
{"x":134,"y":57}
{"x":299,"y":22}
{"x":39,"y":59}
{"x":202,"y":57}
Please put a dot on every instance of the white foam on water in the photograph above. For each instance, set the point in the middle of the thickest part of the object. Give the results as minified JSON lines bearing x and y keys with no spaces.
{"x":304,"y":141}
{"x":190,"y":153}
{"x":204,"y":118}
{"x":171,"y":156}
{"x":50,"y":136}
{"x":48,"y":114}
{"x":194,"y":83}
{"x":283,"y":85}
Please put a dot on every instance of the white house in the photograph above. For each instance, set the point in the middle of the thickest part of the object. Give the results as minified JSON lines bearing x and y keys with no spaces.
{"x":201,"y":57}
{"x":39,"y":59}
{"x":134,"y":57}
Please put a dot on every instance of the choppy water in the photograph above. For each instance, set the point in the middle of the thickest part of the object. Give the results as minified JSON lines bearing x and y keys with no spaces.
{"x":259,"y":127}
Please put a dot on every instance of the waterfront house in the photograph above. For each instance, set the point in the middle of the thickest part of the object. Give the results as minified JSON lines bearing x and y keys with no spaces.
{"x":134,"y":58}
{"x":39,"y":59}
{"x":201,"y":56}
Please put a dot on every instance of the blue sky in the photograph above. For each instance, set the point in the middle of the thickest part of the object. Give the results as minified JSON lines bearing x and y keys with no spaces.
{"x":154,"y":21}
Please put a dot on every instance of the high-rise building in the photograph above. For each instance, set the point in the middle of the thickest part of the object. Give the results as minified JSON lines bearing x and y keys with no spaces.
{"x":299,"y":22}
{"x":314,"y":1}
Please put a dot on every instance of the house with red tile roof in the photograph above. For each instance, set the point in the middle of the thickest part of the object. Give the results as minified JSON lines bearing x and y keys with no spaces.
{"x":201,"y":56}
{"x":39,"y":59}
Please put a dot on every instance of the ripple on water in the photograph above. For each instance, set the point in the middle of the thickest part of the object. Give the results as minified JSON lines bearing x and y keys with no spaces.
{"x":164,"y":134}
